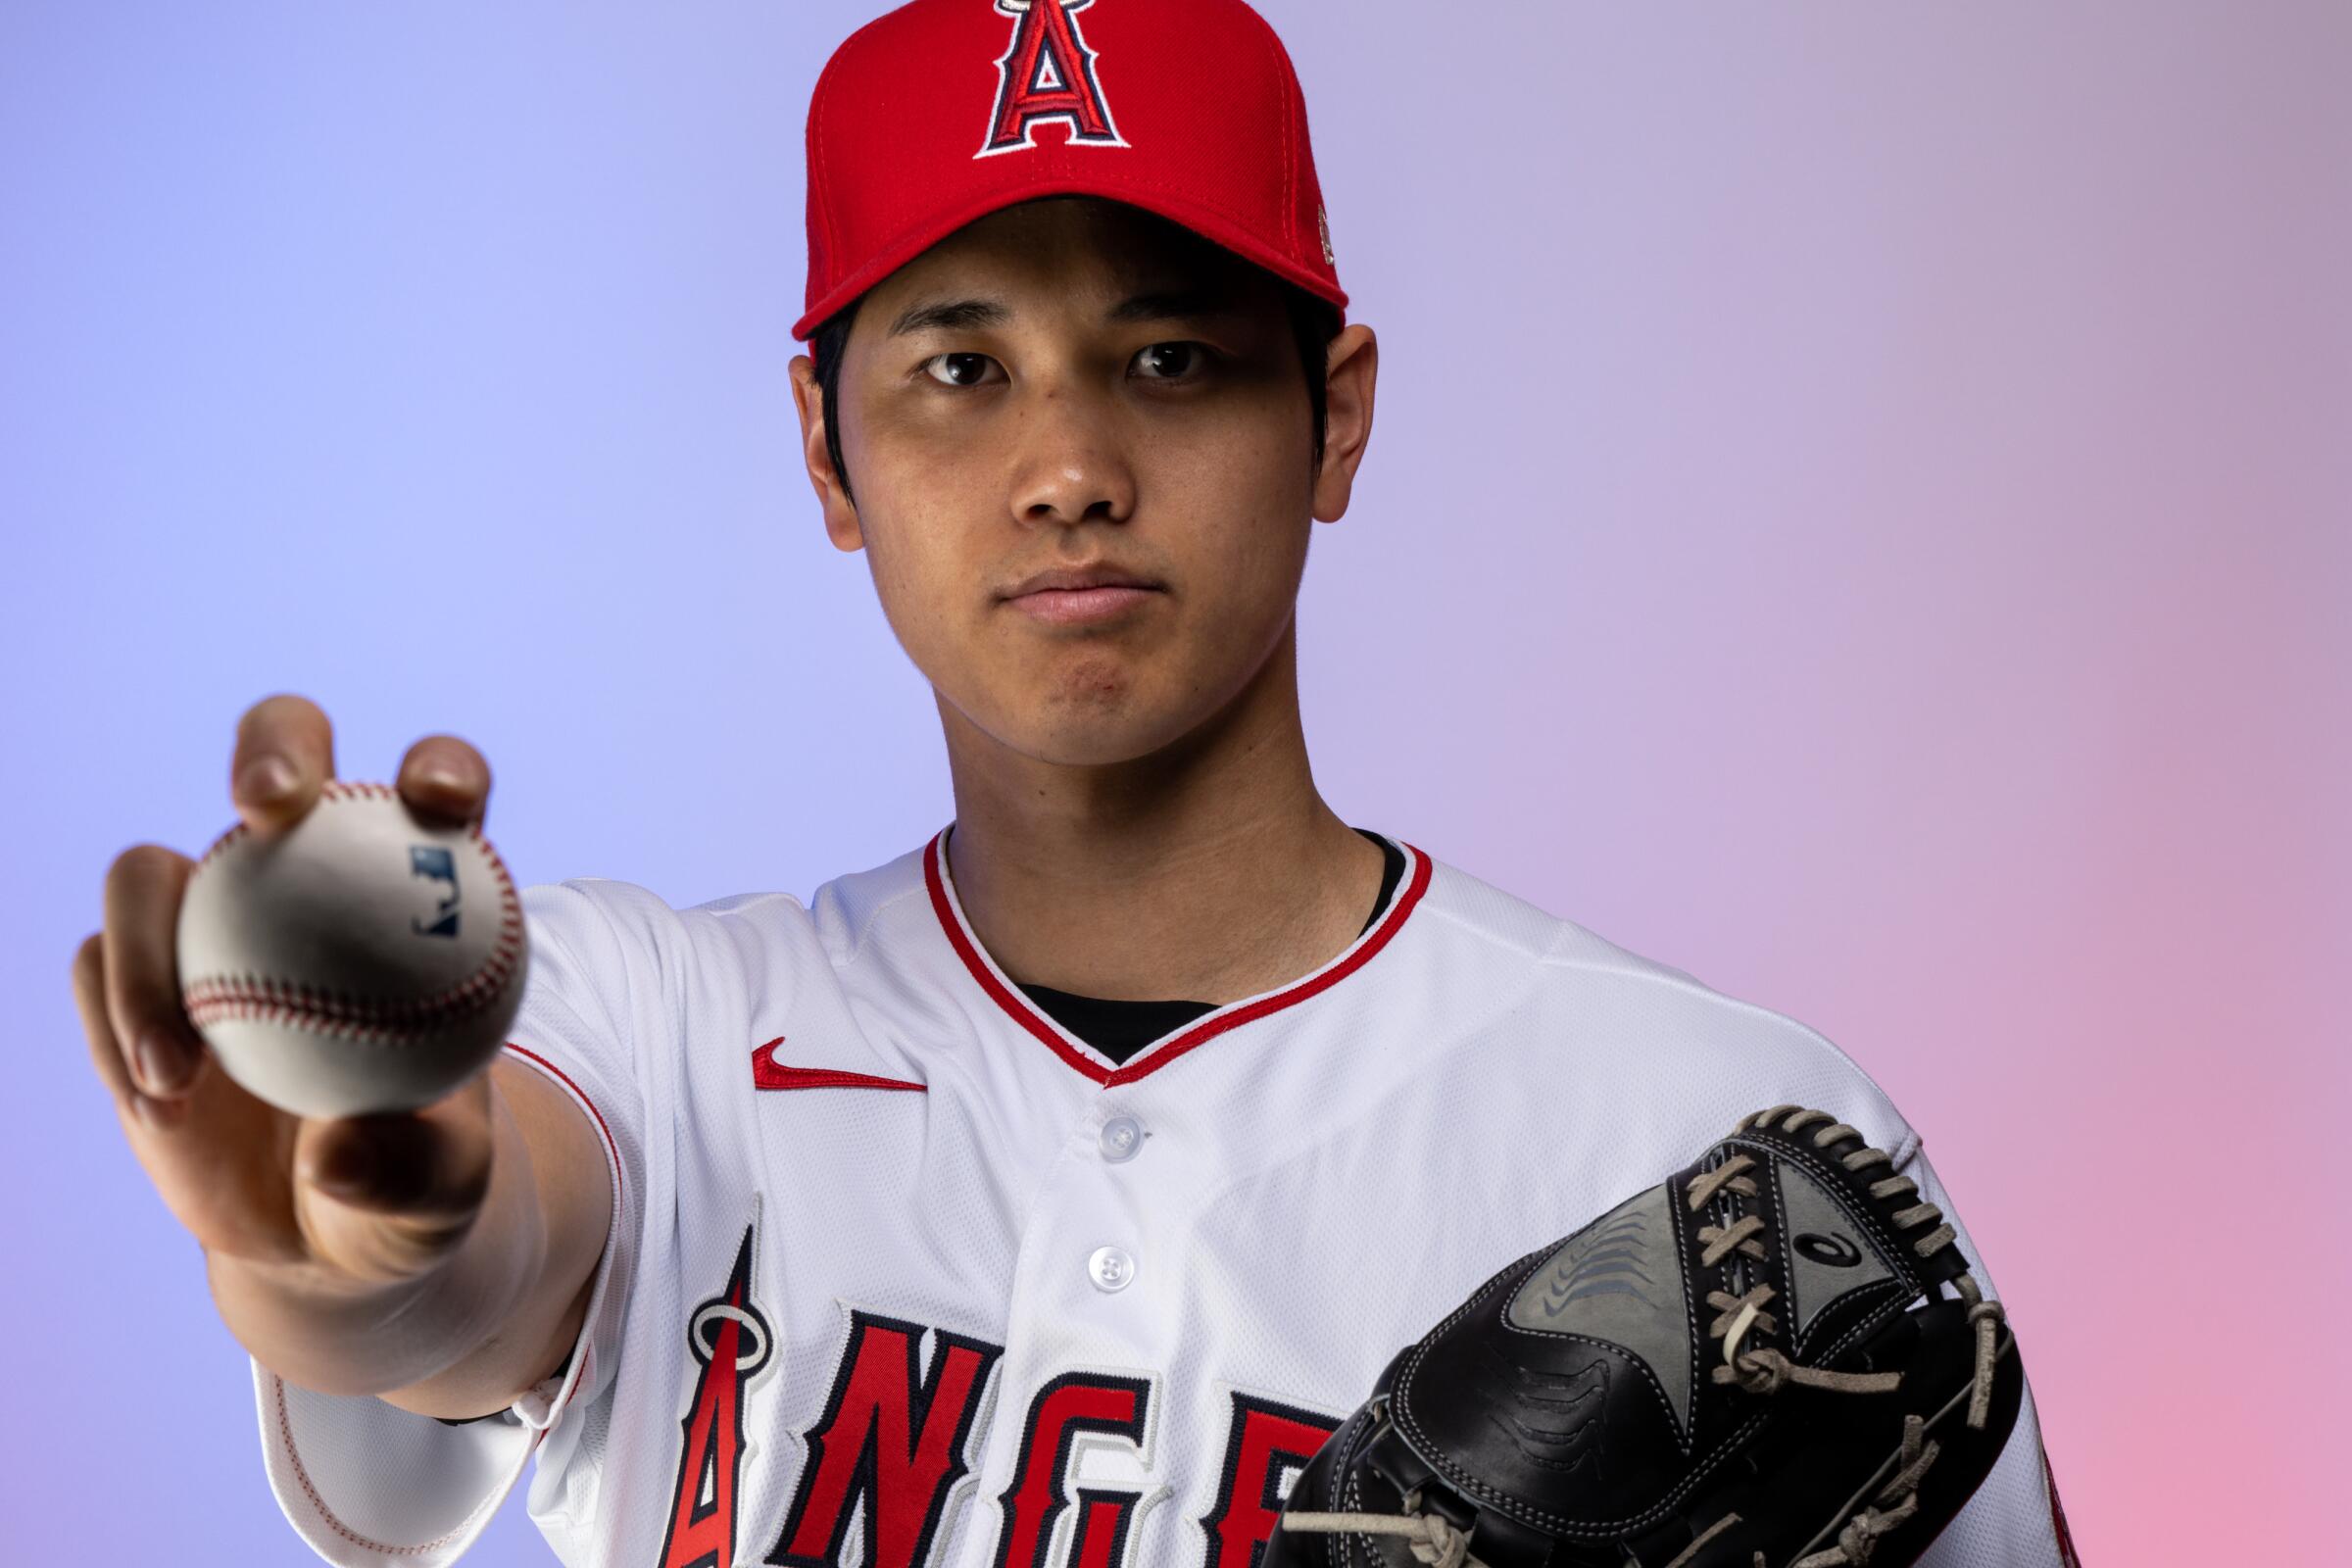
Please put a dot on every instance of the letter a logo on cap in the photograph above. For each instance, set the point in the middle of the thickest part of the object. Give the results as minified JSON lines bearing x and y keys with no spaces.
{"x":1048,"y":73}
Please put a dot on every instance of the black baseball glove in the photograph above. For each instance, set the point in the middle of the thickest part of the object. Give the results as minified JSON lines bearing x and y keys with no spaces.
{"x":1755,"y":1364}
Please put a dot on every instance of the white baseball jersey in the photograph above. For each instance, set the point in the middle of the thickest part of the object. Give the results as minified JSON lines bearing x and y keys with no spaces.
{"x":902,"y":1274}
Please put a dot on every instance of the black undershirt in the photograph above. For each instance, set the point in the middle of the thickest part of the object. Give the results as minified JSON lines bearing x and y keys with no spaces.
{"x":1120,"y":1029}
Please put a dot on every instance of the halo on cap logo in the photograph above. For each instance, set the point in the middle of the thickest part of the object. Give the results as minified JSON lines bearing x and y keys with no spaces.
{"x":1047,"y":72}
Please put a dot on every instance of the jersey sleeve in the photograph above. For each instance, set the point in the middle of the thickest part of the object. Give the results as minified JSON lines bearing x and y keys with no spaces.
{"x":2013,"y":1520}
{"x":365,"y":1484}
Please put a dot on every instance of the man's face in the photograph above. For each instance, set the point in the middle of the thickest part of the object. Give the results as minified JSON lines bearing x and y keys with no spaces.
{"x":1079,"y":442}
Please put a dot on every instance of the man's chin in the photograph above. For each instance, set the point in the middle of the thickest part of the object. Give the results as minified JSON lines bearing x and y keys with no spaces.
{"x":1103,"y":742}
{"x":1101,"y":711}
{"x":1093,"y":731}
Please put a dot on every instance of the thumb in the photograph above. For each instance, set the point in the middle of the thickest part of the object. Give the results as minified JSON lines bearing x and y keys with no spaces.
{"x":386,"y":1197}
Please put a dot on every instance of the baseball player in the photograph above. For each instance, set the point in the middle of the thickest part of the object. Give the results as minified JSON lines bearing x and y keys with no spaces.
{"x":1044,"y":1198}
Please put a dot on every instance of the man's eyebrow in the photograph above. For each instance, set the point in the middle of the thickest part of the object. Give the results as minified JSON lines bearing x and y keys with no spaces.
{"x":1173,"y":305}
{"x":949,"y":315}
{"x":1162,"y":305}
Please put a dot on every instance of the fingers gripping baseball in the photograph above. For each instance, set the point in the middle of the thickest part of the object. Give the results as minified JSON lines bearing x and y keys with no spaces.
{"x":286,"y":753}
{"x":445,"y":779}
{"x":380,"y":1194}
{"x":217,"y":1155}
{"x":141,"y":990}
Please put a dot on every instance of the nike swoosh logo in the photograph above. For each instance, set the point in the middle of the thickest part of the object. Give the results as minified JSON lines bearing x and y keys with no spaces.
{"x":769,"y":1073}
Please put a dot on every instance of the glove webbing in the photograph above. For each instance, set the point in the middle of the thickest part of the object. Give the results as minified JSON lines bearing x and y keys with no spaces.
{"x":1763,"y":1377}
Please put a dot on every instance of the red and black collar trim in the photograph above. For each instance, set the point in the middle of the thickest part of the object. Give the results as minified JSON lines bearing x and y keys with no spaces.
{"x":1158,"y":1054}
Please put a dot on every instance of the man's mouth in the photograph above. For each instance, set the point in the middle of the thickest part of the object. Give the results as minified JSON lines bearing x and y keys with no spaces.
{"x":1069,"y":596}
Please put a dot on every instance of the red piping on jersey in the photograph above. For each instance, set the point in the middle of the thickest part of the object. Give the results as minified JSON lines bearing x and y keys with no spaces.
{"x":2058,"y":1527}
{"x":611,"y":1149}
{"x":1160,"y":1055}
{"x":328,"y":1515}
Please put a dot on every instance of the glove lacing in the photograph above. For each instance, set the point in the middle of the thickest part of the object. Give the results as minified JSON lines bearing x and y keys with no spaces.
{"x":1433,"y":1540}
{"x":1765,"y":1371}
{"x":1896,"y":1501}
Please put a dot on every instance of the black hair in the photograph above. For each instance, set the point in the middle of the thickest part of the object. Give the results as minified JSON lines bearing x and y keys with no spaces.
{"x":1314,"y":322}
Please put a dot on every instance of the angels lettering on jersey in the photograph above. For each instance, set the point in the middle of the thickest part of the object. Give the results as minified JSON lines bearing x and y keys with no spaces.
{"x":897,"y":1437}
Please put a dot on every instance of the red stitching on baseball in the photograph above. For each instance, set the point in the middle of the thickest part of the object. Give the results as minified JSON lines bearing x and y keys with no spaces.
{"x":221,"y":842}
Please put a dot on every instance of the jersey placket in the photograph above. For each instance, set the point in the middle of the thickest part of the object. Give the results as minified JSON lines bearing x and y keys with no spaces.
{"x":1071,"y":1447}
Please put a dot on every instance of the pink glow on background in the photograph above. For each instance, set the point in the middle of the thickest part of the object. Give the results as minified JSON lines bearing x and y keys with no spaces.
{"x":1859,"y":511}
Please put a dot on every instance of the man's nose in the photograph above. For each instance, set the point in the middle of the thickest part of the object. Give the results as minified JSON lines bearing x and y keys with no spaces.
{"x":1073,"y":465}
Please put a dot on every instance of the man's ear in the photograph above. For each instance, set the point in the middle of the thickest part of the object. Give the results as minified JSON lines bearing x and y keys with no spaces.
{"x":841,"y":514}
{"x":1350,"y":367}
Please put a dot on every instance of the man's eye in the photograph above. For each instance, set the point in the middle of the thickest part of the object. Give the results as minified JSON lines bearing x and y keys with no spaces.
{"x":958,"y":370}
{"x":1168,"y":362}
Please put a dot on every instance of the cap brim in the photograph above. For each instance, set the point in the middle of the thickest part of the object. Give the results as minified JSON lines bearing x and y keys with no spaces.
{"x":1209,"y":224}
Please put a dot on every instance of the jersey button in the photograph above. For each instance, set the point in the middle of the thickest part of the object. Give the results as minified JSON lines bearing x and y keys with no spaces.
{"x":1122,"y":1139}
{"x":1112,"y":1269}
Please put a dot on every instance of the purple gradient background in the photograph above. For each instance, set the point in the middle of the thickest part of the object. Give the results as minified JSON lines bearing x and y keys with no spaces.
{"x":1859,"y":510}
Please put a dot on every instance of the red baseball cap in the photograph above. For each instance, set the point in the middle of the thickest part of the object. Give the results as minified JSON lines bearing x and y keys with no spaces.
{"x":944,"y":111}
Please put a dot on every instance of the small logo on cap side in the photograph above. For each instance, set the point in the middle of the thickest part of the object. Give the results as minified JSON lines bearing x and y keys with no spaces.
{"x":1047,"y":72}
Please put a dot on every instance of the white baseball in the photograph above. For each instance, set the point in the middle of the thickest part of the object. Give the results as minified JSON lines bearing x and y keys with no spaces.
{"x":360,"y":961}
